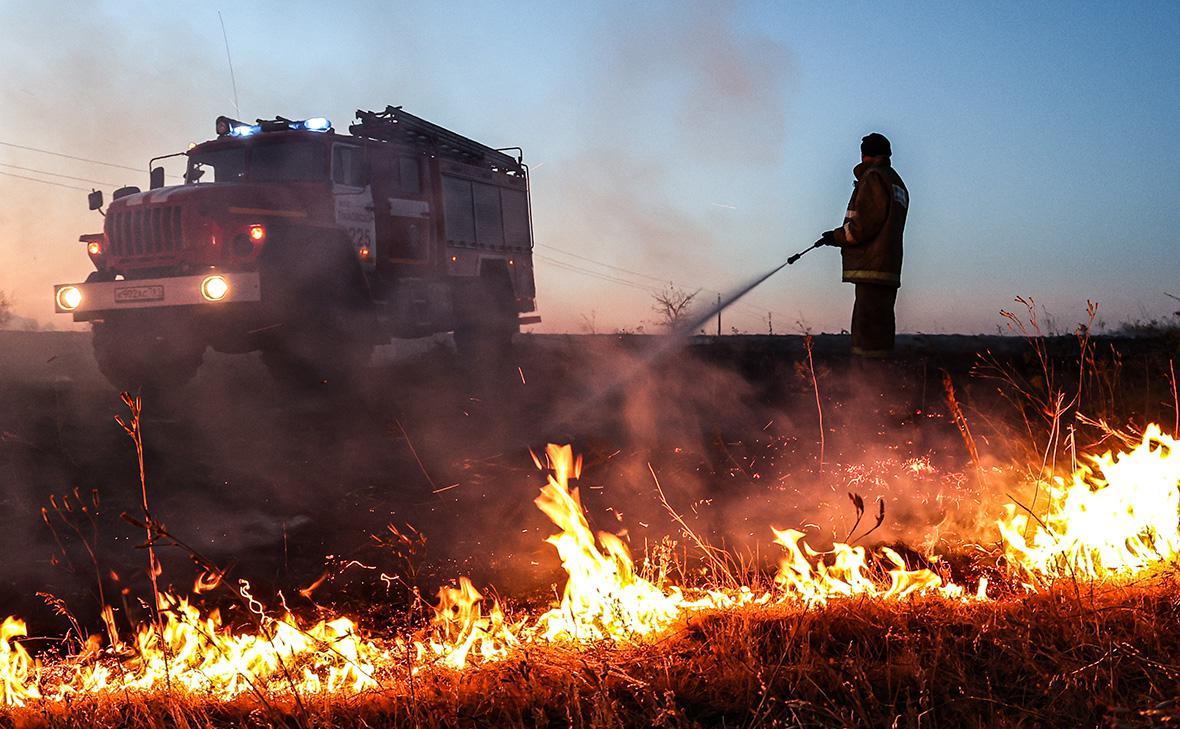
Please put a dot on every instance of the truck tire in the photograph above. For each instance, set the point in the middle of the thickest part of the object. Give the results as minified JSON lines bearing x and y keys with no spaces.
{"x":138,"y":355}
{"x":312,"y":355}
{"x":486,"y":320}
{"x":327,"y":336}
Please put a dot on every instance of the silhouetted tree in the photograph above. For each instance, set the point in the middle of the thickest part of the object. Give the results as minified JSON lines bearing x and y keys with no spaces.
{"x":672,"y":305}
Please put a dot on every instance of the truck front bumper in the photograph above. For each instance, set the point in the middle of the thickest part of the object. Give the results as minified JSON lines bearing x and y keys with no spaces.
{"x":93,"y":300}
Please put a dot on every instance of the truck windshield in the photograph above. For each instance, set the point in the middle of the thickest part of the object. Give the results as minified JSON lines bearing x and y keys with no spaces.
{"x":267,"y":162}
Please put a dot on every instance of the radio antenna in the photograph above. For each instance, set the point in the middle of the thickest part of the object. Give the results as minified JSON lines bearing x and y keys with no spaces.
{"x":233,"y":81}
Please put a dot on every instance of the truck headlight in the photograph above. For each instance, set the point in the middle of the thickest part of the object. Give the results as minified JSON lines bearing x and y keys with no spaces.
{"x":214,"y":288}
{"x":69,"y":297}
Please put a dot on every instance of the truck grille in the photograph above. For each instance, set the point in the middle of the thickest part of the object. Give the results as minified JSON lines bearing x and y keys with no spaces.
{"x":145,"y":232}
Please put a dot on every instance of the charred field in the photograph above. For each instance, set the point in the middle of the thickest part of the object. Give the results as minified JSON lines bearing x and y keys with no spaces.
{"x":365,"y":500}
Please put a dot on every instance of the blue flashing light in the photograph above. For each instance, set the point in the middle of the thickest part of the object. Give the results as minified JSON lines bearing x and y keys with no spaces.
{"x":245,"y":130}
{"x":317,"y":124}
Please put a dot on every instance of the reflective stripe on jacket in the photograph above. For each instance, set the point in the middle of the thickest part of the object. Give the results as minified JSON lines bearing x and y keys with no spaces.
{"x":871,"y":237}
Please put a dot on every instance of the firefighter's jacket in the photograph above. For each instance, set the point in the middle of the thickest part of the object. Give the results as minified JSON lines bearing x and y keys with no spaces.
{"x":870,"y":239}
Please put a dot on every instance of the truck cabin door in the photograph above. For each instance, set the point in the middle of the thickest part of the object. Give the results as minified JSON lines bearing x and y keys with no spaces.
{"x":353,"y":195}
{"x":403,"y":208}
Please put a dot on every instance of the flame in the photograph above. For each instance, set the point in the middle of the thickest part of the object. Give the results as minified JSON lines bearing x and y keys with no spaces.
{"x":603,"y":596}
{"x":804,"y":574}
{"x":16,"y":667}
{"x":1116,"y":516}
{"x":207,"y":581}
{"x":460,"y":629}
{"x":195,"y":652}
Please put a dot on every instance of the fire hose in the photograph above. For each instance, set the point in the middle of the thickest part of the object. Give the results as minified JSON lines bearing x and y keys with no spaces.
{"x":674,"y":342}
{"x":725,"y":301}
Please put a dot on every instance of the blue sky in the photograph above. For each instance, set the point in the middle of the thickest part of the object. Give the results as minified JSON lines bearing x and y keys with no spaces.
{"x":692,"y":143}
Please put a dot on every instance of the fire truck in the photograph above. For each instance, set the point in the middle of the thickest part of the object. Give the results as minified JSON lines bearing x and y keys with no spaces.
{"x":311,"y":247}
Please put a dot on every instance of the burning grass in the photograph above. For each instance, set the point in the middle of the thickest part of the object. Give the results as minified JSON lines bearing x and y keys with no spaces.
{"x":1063,"y":657}
{"x":843,"y":636}
{"x":1063,"y":614}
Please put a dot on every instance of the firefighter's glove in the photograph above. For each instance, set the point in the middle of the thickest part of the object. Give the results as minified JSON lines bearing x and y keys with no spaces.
{"x":828,"y":238}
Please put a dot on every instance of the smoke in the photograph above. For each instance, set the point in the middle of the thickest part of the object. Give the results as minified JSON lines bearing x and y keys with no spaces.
{"x":734,"y":438}
{"x":82,"y":83}
{"x":660,"y":123}
{"x":640,"y":125}
{"x":655,"y":124}
{"x":278,"y":485}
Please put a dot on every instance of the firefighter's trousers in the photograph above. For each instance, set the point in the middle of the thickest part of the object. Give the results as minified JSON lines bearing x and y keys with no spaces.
{"x":873,"y":324}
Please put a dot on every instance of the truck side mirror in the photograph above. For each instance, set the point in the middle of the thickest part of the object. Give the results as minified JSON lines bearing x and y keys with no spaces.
{"x":156,"y":178}
{"x":94,"y":200}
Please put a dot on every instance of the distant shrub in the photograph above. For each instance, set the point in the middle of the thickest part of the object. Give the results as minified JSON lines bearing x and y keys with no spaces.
{"x":6,"y":314}
{"x":1162,"y":326}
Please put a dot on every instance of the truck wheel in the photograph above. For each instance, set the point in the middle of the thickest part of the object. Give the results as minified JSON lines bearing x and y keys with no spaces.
{"x":327,"y":343}
{"x":315,"y":356}
{"x":137,"y":356}
{"x":328,"y":325}
{"x":486,"y":320}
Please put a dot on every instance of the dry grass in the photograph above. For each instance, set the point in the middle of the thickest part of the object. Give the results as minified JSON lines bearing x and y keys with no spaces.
{"x":1071,"y":656}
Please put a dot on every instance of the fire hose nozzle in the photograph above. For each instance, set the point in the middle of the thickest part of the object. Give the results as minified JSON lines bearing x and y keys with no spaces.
{"x":799,"y":255}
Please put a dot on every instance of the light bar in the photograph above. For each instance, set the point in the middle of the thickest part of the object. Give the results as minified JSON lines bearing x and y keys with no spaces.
{"x":245,"y":130}
{"x":316,"y":124}
{"x":227,"y":126}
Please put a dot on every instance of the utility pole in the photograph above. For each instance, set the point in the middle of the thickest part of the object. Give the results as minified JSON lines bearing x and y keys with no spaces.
{"x":719,"y":315}
{"x":770,"y":321}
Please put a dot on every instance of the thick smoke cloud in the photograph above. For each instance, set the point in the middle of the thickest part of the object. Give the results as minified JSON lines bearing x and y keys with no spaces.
{"x":664,"y":116}
{"x":643,"y":122}
{"x":672,"y":119}
{"x":738,"y":452}
{"x":80,"y":83}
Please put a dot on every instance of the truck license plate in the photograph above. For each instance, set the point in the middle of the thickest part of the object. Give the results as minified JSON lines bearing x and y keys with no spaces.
{"x":130,"y":294}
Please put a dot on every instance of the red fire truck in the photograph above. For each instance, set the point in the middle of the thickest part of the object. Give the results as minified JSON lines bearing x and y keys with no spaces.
{"x":311,"y":247}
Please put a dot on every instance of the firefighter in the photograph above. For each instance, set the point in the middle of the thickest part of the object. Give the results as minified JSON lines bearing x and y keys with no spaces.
{"x":870,"y":245}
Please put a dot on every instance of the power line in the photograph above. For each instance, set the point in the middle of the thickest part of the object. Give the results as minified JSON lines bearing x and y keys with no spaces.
{"x":662,"y":280}
{"x":597,"y":275}
{"x":601,"y":274}
{"x":593,"y":274}
{"x":44,"y":182}
{"x":70,"y":156}
{"x":750,"y":308}
{"x":56,"y":174}
{"x":607,"y":265}
{"x":631,"y":284}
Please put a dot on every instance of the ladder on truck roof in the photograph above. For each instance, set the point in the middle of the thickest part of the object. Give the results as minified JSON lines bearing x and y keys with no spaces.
{"x":396,"y":125}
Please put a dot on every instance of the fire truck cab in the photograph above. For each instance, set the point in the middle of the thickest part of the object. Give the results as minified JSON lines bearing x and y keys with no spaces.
{"x":310,"y":246}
